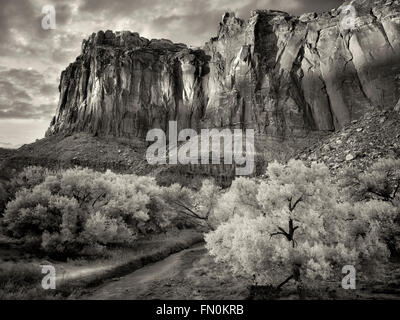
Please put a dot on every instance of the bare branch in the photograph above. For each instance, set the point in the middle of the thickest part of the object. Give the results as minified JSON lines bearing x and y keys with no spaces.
{"x":284,"y":232}
{"x":98,"y":198}
{"x":284,"y":282}
{"x":396,"y":189}
{"x":292,"y":207}
{"x":380,"y":194}
{"x":82,"y":200}
{"x":194,"y":221}
{"x":190,"y":210}
{"x":288,"y":235}
{"x":277,"y":233}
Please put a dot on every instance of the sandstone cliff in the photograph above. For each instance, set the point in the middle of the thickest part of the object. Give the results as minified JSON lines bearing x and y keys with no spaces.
{"x":282,"y":75}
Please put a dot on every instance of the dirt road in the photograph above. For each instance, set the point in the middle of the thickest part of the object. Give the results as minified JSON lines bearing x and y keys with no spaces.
{"x":154,"y":281}
{"x":193,"y":274}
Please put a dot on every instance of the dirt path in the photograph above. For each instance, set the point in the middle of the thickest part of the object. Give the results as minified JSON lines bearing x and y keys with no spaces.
{"x":192,"y":274}
{"x":140,"y":284}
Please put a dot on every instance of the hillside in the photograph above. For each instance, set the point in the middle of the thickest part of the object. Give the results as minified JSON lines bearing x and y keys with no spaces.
{"x":80,"y":149}
{"x":359,"y":144}
{"x":376,"y":135}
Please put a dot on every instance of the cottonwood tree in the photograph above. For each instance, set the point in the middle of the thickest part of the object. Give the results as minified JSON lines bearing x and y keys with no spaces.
{"x":300,"y":229}
{"x":195,"y":205}
{"x":239,"y":199}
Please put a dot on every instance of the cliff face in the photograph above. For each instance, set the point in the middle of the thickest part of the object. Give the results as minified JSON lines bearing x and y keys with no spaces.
{"x":283,"y":76}
{"x":123,"y":85}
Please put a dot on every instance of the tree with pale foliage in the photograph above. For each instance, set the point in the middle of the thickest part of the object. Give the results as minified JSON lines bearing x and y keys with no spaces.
{"x":195,"y":205}
{"x":28,"y":178}
{"x":299,"y":228}
{"x":239,"y":199}
{"x":69,"y":211}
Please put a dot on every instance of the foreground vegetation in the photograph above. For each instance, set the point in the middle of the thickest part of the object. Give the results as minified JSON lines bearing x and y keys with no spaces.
{"x":295,"y":226}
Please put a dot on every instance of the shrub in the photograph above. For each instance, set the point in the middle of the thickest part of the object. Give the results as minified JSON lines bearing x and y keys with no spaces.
{"x":32,"y":212}
{"x":28,"y":178}
{"x":125,"y":200}
{"x":104,"y":230}
{"x":76,"y":208}
{"x":378,"y":186}
{"x":380,"y":181}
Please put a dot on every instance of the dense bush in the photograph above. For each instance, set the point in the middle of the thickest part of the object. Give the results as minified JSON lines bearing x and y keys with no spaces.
{"x":28,"y":178}
{"x":68,"y":212}
{"x":296,"y":223}
{"x":381,"y":181}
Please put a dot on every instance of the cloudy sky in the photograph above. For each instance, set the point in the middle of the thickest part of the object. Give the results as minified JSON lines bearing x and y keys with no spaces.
{"x":31,"y":58}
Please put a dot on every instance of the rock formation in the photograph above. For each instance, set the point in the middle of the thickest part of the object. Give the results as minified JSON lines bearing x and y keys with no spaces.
{"x":282,"y":75}
{"x":360,"y":144}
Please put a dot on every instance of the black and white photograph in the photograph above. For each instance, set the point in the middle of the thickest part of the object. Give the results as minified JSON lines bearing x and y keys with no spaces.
{"x":200,"y":150}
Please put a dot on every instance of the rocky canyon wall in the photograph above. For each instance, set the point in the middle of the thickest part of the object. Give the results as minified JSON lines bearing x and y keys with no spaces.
{"x":282,"y":75}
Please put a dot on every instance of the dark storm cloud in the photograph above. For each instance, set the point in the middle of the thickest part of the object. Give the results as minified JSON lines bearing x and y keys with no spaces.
{"x":21,"y":30}
{"x":318,"y":5}
{"x":25,"y":110}
{"x":117,"y":7}
{"x":197,"y":30}
{"x":20,"y":89}
{"x":13,"y":14}
{"x":22,"y":77}
{"x":189,"y":21}
{"x":10,"y":92}
{"x":28,"y":93}
{"x":125,"y":7}
{"x":64,"y":12}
